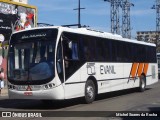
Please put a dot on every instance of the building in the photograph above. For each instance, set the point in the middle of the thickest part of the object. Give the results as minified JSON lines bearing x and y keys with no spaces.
{"x":15,"y":15}
{"x":150,"y":36}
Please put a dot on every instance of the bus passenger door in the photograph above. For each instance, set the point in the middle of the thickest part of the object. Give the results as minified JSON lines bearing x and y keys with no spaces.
{"x":71,"y":66}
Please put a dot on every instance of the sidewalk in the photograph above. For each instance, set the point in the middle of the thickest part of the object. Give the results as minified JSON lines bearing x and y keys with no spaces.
{"x":4,"y":92}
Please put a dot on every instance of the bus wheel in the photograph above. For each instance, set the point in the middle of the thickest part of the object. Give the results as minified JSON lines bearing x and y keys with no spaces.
{"x":90,"y":91}
{"x":142,"y":86}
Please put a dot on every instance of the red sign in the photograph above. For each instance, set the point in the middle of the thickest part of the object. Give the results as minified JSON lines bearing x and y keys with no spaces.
{"x":28,"y":93}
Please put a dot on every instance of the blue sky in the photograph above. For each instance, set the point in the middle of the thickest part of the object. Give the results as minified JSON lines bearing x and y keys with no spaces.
{"x":96,"y":15}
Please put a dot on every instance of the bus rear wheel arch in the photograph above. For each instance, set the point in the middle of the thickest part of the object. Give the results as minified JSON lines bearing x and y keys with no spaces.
{"x":90,"y":91}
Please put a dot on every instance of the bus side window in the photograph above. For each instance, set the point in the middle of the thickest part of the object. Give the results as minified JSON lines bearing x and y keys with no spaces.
{"x":70,"y":49}
{"x":70,"y":53}
{"x":75,"y":51}
{"x":88,"y":45}
{"x":100,"y":50}
{"x":66,"y":50}
{"x":87,"y":53}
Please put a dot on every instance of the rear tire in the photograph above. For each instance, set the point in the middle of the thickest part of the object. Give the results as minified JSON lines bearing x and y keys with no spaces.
{"x":142,"y":85}
{"x":90,"y":91}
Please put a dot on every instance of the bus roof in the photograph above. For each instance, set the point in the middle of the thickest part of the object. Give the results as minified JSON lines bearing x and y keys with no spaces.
{"x":86,"y":31}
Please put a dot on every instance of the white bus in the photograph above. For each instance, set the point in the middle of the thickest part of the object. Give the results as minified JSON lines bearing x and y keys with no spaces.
{"x":58,"y":63}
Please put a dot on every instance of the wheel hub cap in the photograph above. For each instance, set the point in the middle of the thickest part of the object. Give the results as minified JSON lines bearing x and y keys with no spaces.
{"x":90,"y":92}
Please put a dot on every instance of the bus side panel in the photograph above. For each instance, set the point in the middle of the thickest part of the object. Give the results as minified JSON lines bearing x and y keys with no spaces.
{"x":96,"y":71}
{"x":134,"y":71}
{"x":101,"y":76}
{"x":116,"y":76}
{"x":74,"y":87}
{"x":107,"y":75}
{"x":128,"y":69}
{"x":152,"y":74}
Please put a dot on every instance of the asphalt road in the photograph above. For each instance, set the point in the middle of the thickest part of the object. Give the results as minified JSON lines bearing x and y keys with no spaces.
{"x":126,"y":100}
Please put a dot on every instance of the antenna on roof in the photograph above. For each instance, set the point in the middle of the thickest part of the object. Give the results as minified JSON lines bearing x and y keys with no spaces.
{"x":71,"y":25}
{"x":44,"y":24}
{"x":95,"y":30}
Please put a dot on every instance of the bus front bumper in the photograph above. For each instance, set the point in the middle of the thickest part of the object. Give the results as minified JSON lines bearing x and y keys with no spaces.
{"x":56,"y":93}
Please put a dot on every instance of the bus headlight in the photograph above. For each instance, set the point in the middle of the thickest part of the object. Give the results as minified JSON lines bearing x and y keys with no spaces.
{"x":11,"y":87}
{"x":49,"y":86}
{"x":46,"y":86}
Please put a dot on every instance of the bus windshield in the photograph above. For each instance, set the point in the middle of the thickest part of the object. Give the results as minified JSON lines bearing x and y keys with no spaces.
{"x":31,"y":56}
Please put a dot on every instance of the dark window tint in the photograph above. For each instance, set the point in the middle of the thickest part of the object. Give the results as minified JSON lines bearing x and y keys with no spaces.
{"x":96,"y":49}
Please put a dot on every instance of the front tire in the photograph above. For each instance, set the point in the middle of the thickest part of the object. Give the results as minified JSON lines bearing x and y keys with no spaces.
{"x":142,"y":86}
{"x":90,"y":91}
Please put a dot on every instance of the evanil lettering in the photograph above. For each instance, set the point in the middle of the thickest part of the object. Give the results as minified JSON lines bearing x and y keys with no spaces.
{"x":108,"y":69}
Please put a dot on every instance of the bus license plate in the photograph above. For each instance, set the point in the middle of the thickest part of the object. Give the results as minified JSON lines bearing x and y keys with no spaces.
{"x":22,"y":88}
{"x":28,"y":93}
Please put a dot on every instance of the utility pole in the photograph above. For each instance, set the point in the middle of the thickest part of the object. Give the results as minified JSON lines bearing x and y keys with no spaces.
{"x":115,"y":19}
{"x":157,"y":8}
{"x":126,"y":24}
{"x":158,"y":15}
{"x":79,"y":13}
{"x":114,"y":13}
{"x":115,"y":24}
